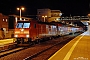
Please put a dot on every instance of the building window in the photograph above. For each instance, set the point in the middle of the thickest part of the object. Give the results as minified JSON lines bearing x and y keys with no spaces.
{"x":24,"y":19}
{"x":3,"y":19}
{"x":6,"y":20}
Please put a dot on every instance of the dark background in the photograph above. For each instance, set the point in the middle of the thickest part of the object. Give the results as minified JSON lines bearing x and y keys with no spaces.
{"x":67,"y":7}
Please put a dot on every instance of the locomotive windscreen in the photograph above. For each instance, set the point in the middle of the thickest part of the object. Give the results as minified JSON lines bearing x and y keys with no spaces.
{"x":26,"y":25}
{"x":19,"y":25}
{"x":22,"y":25}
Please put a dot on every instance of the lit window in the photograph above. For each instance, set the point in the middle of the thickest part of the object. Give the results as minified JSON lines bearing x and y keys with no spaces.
{"x":6,"y":20}
{"x":26,"y":25}
{"x":24,"y":19}
{"x":57,"y":19}
{"x":3,"y":19}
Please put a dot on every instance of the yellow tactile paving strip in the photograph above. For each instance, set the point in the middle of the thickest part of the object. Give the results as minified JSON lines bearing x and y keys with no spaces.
{"x":82,"y":49}
{"x":76,"y":49}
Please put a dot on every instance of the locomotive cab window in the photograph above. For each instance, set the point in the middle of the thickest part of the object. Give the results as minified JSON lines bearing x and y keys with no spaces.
{"x":26,"y":25}
{"x":19,"y":25}
{"x":23,"y":25}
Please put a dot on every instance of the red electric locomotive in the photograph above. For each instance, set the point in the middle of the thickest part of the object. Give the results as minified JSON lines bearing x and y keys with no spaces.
{"x":28,"y":31}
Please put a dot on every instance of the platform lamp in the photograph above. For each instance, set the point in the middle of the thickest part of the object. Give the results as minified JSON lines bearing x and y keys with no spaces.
{"x":44,"y":17}
{"x":20,"y":9}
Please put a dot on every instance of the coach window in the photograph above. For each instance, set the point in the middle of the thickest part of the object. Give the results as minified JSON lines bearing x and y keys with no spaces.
{"x":34,"y":25}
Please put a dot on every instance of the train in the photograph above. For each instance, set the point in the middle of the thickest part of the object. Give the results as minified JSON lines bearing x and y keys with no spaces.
{"x":28,"y":31}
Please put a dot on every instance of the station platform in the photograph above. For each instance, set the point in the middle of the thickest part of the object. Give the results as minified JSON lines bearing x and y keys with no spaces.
{"x":76,"y":49}
{"x":6,"y":44}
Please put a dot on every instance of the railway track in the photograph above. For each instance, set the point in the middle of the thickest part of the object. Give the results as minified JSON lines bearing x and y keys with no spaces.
{"x":2,"y":54}
{"x":46,"y":53}
{"x":37,"y":50}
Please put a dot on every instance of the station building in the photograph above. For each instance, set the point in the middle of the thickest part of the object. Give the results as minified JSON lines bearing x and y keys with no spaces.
{"x":3,"y":21}
{"x":48,"y":15}
{"x":3,"y":25}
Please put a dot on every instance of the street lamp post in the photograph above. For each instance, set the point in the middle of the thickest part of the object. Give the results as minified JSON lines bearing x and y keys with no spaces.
{"x":20,"y":9}
{"x":44,"y":17}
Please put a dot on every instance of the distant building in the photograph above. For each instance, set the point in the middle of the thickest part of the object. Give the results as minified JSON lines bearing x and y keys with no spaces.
{"x":3,"y":22}
{"x":3,"y":25}
{"x":47,"y":15}
{"x":43,"y":12}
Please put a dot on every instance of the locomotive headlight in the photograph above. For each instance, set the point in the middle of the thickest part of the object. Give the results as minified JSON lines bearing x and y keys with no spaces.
{"x":27,"y":36}
{"x":16,"y":35}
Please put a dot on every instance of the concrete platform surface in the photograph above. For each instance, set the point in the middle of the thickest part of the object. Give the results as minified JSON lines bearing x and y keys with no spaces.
{"x":76,"y":49}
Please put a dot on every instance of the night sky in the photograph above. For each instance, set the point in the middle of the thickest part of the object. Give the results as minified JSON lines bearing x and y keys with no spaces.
{"x":67,"y":7}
